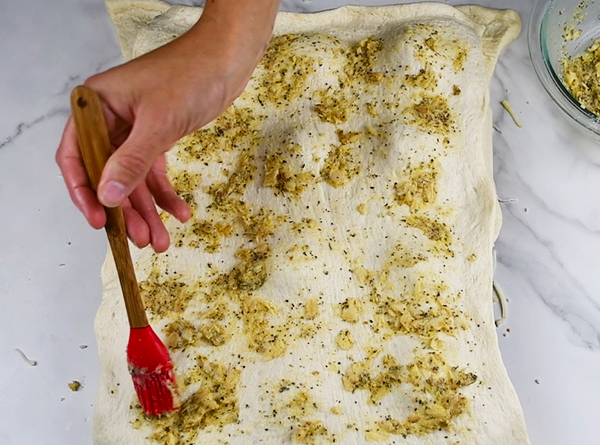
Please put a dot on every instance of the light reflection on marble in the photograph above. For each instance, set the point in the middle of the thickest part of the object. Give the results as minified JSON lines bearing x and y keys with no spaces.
{"x":548,"y":250}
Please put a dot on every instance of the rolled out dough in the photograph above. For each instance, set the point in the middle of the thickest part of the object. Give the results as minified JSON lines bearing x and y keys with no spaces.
{"x":334,"y":284}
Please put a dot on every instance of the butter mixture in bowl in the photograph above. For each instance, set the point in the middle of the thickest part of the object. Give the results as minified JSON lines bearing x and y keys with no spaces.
{"x":565,"y":51}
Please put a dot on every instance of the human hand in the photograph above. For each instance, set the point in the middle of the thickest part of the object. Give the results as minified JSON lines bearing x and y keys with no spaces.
{"x":154,"y":100}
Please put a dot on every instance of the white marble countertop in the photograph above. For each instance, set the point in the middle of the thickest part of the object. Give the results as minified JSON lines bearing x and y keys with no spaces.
{"x":548,"y":251}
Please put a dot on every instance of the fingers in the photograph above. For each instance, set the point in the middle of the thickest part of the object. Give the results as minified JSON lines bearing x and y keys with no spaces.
{"x":129,"y":165}
{"x":76,"y":179}
{"x":119,"y":138}
{"x":163,"y":192}
{"x":116,"y":122}
{"x":153,"y":230}
{"x":137,"y":229}
{"x":144,"y":225}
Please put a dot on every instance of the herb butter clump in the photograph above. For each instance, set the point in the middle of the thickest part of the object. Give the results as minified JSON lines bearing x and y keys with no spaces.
{"x":581,"y":76}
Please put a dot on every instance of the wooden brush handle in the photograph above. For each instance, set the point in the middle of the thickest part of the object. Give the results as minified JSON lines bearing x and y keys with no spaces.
{"x":94,"y":144}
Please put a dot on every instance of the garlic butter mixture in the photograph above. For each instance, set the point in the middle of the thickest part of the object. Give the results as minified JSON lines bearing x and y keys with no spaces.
{"x":315,"y":297}
{"x":580,"y":73}
{"x":581,"y":77}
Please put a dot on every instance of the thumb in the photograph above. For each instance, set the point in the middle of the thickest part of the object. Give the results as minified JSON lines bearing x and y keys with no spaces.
{"x":131,"y":162}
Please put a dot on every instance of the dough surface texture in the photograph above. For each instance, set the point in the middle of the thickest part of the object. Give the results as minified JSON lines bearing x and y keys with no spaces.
{"x":334,"y":283}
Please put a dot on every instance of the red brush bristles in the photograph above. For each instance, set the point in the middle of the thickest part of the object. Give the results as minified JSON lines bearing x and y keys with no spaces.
{"x":152,"y":372}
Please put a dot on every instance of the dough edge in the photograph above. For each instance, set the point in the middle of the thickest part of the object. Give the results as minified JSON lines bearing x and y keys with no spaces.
{"x":131,"y":19}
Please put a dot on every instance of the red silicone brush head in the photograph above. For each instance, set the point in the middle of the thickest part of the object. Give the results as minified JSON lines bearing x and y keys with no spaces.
{"x":152,"y":372}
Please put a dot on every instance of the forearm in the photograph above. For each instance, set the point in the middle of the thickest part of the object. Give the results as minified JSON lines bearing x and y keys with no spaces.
{"x":240,"y":30}
{"x":244,"y":22}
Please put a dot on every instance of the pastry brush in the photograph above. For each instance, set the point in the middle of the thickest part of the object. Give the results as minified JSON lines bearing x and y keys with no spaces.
{"x":147,"y":357}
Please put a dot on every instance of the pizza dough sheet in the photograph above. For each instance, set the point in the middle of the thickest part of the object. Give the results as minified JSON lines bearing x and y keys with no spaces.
{"x":348,"y":275}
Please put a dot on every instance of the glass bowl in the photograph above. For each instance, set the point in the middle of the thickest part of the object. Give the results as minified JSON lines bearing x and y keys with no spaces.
{"x":548,"y":46}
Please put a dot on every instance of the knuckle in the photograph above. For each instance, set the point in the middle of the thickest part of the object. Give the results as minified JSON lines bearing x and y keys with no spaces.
{"x":163,"y":123}
{"x":93,"y":81}
{"x":134,"y":162}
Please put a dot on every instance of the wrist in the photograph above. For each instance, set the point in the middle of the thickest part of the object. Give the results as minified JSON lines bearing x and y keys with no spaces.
{"x":239,"y":31}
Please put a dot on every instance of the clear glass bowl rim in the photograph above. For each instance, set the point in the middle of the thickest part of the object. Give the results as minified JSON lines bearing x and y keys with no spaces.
{"x":551,"y":81}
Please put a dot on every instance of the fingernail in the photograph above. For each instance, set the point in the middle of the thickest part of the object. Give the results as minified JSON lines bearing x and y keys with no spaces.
{"x":112,"y":194}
